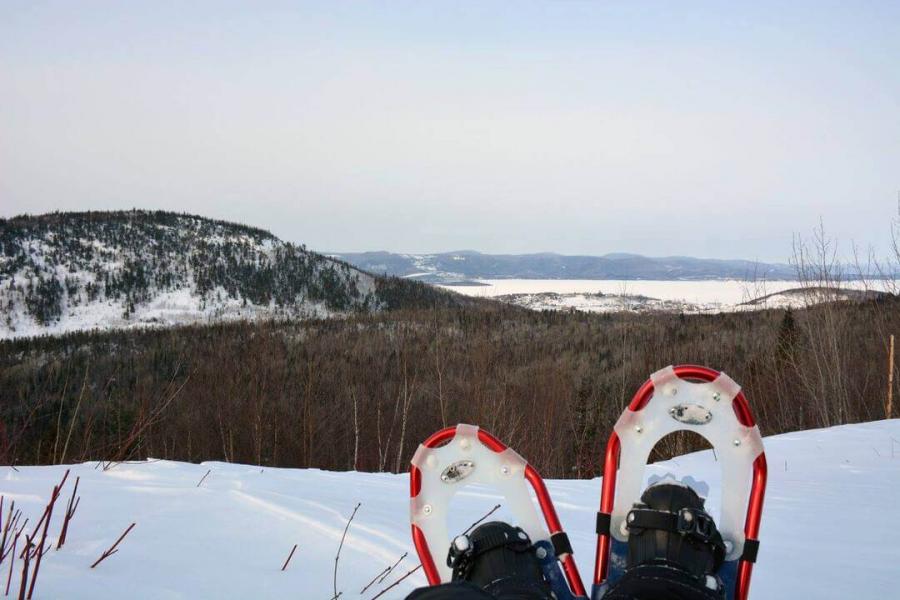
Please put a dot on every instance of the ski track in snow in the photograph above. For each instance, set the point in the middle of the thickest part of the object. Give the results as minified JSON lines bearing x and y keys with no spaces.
{"x":829,"y":527}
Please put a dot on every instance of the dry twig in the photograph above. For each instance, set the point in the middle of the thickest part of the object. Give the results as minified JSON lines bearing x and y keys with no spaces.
{"x":393,"y":566}
{"x":70,"y":512}
{"x":338,"y":555}
{"x":112,"y":549}
{"x":23,"y":583}
{"x":489,"y":513}
{"x":383,"y":574}
{"x":10,"y":526}
{"x":396,"y":583}
{"x":40,"y":547}
{"x":202,"y":479}
{"x":289,"y":558}
{"x":11,"y":563}
{"x":56,"y":490}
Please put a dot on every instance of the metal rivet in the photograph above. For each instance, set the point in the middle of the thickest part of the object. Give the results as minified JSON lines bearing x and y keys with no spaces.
{"x":688,"y":517}
{"x":631,"y":517}
{"x":427,"y":509}
{"x":638,"y":428}
{"x":672,"y":410}
{"x":505,"y":469}
{"x":523,"y":535}
{"x":541,"y":552}
{"x":736,"y":442}
{"x":717,"y":396}
{"x":673,"y":391}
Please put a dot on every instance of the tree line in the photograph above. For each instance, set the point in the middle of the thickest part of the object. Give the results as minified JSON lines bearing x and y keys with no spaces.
{"x":362,"y":392}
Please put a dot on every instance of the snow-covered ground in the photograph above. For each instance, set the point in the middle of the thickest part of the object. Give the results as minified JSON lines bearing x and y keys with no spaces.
{"x":829,"y":529}
{"x":646,"y":295}
{"x":167,"y":309}
{"x":81,"y":271}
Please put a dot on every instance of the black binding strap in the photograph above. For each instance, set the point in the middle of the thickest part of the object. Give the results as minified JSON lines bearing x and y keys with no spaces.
{"x":604,"y":521}
{"x":653,"y":519}
{"x":500,"y":539}
{"x":561,"y":544}
{"x":690,"y":522}
{"x":751,"y":550}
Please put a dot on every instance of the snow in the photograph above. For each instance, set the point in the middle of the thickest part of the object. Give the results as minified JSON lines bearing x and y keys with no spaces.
{"x":829,"y":525}
{"x":176,"y":303}
{"x":166,"y":309}
{"x":614,"y":295}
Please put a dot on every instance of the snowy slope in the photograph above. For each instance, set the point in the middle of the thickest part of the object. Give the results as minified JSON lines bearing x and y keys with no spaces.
{"x":829,"y":530}
{"x":101,"y":270}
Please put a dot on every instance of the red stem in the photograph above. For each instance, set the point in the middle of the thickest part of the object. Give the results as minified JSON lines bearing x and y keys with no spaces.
{"x":11,"y":562}
{"x":56,"y":490}
{"x":24,"y":582}
{"x":396,"y":583}
{"x":40,"y":551}
{"x":112,"y":549}
{"x":70,"y":512}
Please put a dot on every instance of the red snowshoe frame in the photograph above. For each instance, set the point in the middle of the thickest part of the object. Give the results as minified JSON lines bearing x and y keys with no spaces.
{"x":537,"y":484}
{"x":757,"y":491}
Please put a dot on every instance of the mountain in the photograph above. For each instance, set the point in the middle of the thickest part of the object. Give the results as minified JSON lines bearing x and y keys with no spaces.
{"x":70,"y":271}
{"x":463,"y":266}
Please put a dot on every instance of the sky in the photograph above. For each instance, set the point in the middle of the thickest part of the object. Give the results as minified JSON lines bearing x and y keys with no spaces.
{"x":663,"y":128}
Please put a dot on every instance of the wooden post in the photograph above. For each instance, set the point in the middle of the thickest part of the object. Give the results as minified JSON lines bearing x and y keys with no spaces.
{"x":888,"y":410}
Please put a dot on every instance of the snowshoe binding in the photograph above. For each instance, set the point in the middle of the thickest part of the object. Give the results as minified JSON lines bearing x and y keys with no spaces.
{"x":674,"y":548}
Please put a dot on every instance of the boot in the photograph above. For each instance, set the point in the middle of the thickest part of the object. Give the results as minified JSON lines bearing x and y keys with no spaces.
{"x":674,"y":548}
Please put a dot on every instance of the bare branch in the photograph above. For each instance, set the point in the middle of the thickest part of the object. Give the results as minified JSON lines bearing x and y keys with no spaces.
{"x":202,"y":479}
{"x":489,"y":513}
{"x":112,"y":549}
{"x":396,"y":583}
{"x":11,"y":563}
{"x":70,"y":512}
{"x":338,"y":555}
{"x":289,"y":558}
{"x":382,"y":574}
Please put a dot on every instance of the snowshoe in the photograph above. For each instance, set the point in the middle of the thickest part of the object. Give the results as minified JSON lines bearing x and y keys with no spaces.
{"x":456,"y":457}
{"x":675,"y":525}
{"x":679,"y":554}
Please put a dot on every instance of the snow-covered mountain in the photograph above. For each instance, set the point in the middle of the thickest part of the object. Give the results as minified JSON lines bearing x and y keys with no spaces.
{"x":70,"y":271}
{"x":219,"y":530}
{"x":455,"y":267}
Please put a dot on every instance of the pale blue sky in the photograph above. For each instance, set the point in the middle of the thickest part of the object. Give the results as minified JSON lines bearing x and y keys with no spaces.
{"x":695,"y":128}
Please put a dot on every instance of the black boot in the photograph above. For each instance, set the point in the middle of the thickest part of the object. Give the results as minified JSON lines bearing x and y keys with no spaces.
{"x":500,"y":559}
{"x":496,"y":561}
{"x":674,"y":548}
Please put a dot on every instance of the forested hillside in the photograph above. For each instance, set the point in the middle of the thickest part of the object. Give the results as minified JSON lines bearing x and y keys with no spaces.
{"x":361,"y":393}
{"x":70,"y":271}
